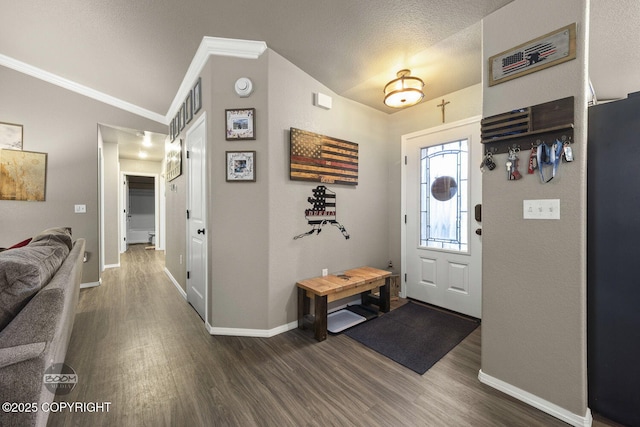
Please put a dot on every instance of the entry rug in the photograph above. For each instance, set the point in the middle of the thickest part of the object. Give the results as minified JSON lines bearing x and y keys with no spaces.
{"x":414,"y":335}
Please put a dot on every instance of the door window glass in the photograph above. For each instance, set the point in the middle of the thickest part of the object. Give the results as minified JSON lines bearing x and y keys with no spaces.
{"x":444,"y":187}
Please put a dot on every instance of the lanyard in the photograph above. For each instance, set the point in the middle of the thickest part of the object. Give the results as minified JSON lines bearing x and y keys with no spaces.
{"x":549,"y":155}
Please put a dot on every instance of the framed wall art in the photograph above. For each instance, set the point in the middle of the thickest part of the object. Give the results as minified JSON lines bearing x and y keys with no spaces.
{"x":197,"y":96}
{"x":551,"y":49}
{"x":181,"y":117}
{"x":241,"y":166}
{"x":241,"y":124}
{"x":23,"y":175}
{"x":174,"y":160}
{"x":320,"y":158}
{"x":10,"y":136}
{"x":188,"y":111}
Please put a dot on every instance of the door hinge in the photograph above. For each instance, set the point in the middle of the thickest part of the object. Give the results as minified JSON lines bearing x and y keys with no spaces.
{"x":124,"y":238}
{"x":187,"y":154}
{"x":405,"y":160}
{"x":188,"y":275}
{"x":405,"y":219}
{"x":188,"y":215}
{"x":405,"y":277}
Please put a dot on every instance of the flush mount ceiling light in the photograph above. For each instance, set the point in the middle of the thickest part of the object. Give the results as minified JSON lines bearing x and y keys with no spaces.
{"x":403,"y":91}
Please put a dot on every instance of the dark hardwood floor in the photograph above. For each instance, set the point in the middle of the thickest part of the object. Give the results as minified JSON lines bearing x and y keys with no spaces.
{"x":137,"y":344}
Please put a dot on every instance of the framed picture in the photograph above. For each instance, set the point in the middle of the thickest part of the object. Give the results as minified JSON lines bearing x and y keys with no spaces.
{"x":188,"y":111}
{"x":172,"y":130}
{"x":10,"y":136}
{"x":23,"y":175}
{"x":174,"y":160}
{"x":544,"y":52}
{"x":197,"y":96}
{"x":181,"y":116}
{"x":241,"y":124}
{"x":176,"y":127}
{"x":241,"y":166}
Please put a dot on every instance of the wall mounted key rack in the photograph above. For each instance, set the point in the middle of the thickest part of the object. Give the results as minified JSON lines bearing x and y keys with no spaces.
{"x":528,"y":127}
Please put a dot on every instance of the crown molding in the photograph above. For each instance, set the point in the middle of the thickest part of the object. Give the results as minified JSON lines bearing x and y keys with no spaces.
{"x":54,"y":79}
{"x":209,"y":46}
{"x":213,"y":46}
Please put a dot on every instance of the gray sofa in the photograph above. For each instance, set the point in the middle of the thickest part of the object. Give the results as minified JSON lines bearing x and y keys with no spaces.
{"x":39,"y":290}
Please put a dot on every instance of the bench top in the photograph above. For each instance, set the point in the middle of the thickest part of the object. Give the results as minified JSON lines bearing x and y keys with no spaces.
{"x":353,"y":278}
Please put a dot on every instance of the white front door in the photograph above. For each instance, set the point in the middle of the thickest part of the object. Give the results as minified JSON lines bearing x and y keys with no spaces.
{"x":197,"y":217}
{"x":442,"y":185}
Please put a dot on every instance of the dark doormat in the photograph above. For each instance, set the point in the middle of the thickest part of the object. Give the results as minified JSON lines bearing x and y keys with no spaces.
{"x":414,"y":335}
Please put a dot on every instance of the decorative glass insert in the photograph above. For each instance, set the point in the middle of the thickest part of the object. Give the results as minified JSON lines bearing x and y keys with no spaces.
{"x":444,"y":196}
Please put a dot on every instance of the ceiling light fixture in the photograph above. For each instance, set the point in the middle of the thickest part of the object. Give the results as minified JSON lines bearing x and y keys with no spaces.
{"x":404,"y":91}
{"x":142,"y":154}
{"x":146,"y":141}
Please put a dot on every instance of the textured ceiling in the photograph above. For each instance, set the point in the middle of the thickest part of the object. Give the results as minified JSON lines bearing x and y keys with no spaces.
{"x":614,"y":48}
{"x":139,"y":51}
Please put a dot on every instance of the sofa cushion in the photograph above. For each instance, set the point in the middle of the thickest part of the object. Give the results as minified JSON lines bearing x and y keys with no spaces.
{"x":53,"y":236}
{"x":23,"y":272}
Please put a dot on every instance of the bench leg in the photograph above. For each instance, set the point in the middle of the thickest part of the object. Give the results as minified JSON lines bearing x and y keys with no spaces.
{"x":303,"y":307}
{"x":383,"y":301}
{"x":320,"y":324}
{"x":385,"y":296}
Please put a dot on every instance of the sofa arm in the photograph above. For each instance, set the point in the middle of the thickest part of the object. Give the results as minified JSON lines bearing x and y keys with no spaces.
{"x":20,"y":353}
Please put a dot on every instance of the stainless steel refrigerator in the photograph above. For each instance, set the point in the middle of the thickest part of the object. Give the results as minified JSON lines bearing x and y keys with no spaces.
{"x":613,"y":260}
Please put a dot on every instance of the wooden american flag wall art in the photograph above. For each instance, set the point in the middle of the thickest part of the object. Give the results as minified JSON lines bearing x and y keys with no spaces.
{"x":320,"y":158}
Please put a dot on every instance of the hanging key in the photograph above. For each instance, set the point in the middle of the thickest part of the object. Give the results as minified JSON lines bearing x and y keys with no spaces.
{"x":488,"y":162}
{"x":513,"y":159}
{"x":567,"y":152}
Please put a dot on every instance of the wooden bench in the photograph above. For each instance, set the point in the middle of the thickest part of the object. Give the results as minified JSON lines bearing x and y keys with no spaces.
{"x":324,"y":290}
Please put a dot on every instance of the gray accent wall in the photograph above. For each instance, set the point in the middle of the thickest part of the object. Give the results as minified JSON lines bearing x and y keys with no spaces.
{"x":63,"y":124}
{"x":362,"y":209}
{"x":254,"y":262}
{"x":534,"y":275}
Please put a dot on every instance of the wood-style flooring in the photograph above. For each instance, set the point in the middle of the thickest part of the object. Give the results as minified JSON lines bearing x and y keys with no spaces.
{"x":137,"y":344}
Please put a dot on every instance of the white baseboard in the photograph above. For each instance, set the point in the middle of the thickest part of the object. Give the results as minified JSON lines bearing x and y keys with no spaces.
{"x":537,"y":402}
{"x":259,"y":333}
{"x":90,"y":285}
{"x":175,"y":283}
{"x":112,"y":266}
{"x":255,"y":333}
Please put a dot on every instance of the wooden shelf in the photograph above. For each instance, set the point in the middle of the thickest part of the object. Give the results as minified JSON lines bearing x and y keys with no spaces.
{"x":527,"y":127}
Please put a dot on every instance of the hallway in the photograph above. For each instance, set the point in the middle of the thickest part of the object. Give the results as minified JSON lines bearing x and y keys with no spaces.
{"x":137,"y":344}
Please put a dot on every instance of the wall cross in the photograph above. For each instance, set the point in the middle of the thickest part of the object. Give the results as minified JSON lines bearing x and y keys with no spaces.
{"x":444,"y":104}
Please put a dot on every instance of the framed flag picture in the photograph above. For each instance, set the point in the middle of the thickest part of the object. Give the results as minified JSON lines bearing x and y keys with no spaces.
{"x":319,"y":158}
{"x":546,"y":51}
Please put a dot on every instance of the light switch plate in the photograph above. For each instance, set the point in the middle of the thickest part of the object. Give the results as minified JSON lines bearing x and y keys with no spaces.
{"x":541,"y":209}
{"x":81,"y":209}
